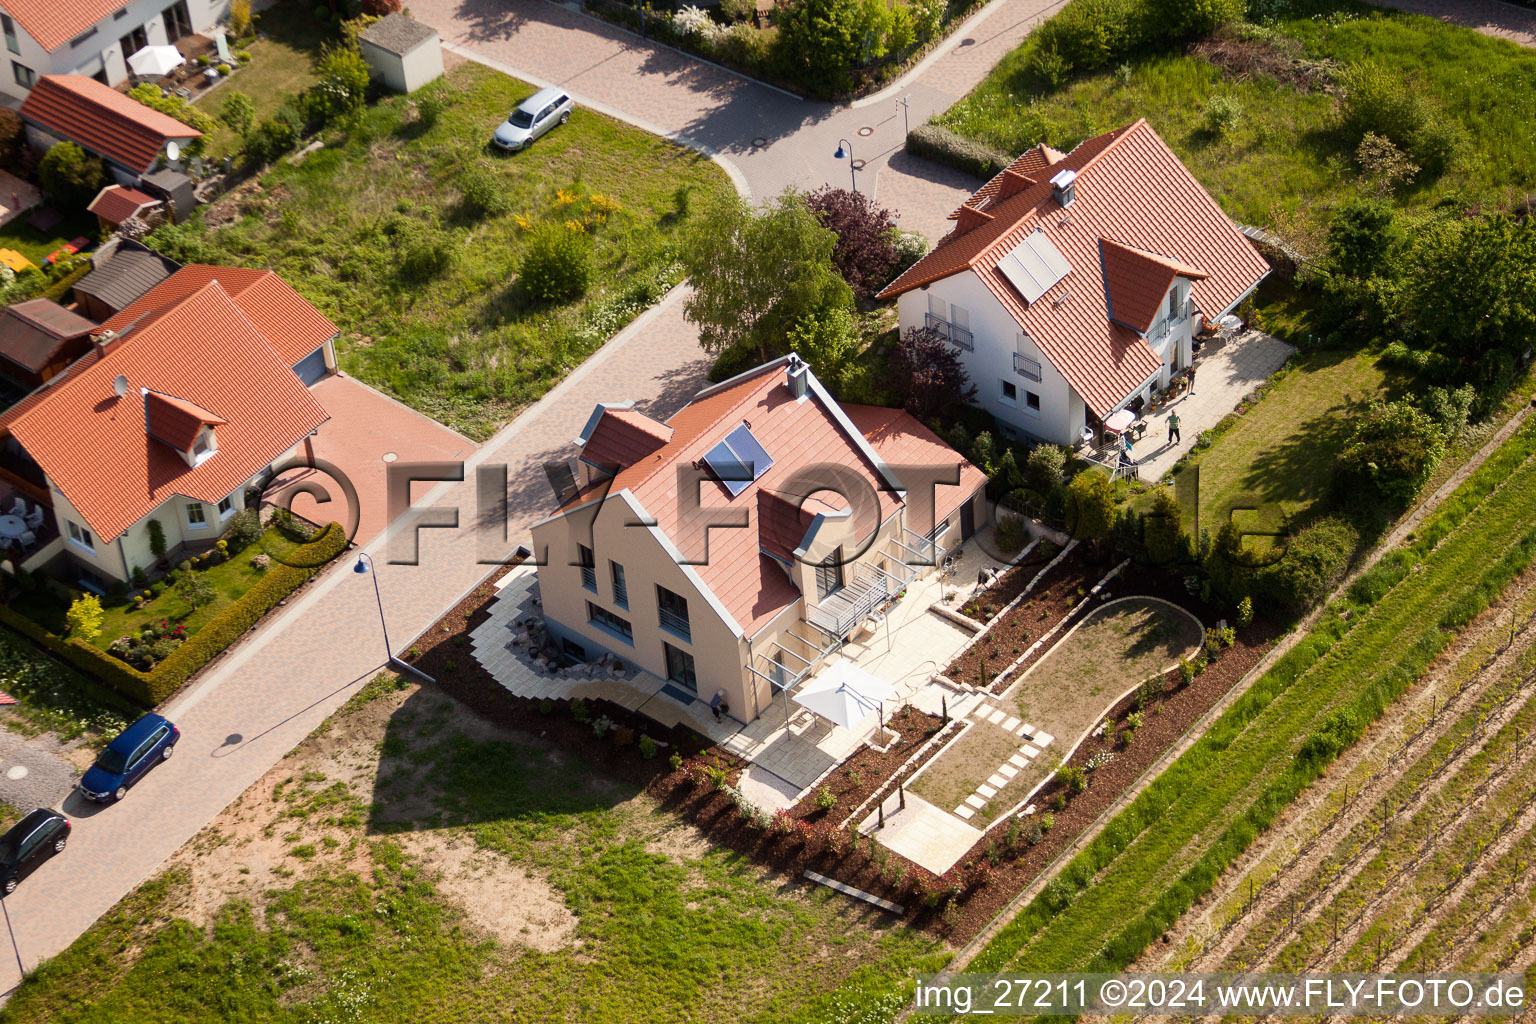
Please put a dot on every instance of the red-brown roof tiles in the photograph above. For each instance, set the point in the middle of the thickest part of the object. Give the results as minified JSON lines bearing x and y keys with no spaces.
{"x":205,"y":351}
{"x":812,"y":454}
{"x":115,"y":204}
{"x":291,"y":325}
{"x":1137,"y":281}
{"x":1130,"y":187}
{"x":901,"y":440}
{"x":176,"y":422}
{"x":53,"y":24}
{"x":102,"y":120}
{"x":623,"y":437}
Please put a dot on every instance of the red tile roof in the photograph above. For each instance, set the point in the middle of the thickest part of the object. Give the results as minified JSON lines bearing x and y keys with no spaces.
{"x":291,"y":325}
{"x":622,"y":437}
{"x":53,"y":24}
{"x":1131,"y":189}
{"x":115,"y":204}
{"x":813,"y":453}
{"x":102,"y":120}
{"x":176,"y":422}
{"x":206,"y":352}
{"x":1137,"y":281}
{"x":1027,"y":168}
{"x":902,"y":440}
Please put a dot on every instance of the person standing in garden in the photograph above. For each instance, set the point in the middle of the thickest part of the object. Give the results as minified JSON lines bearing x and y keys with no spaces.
{"x":1191,"y":381}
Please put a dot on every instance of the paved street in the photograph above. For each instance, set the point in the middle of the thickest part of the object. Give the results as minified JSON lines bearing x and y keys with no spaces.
{"x":256,"y":703}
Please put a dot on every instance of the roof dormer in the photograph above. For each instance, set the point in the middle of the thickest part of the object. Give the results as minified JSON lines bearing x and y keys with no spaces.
{"x":186,"y":428}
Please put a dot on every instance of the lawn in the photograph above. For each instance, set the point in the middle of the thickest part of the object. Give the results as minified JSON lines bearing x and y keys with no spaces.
{"x":35,"y":244}
{"x":1275,"y":463}
{"x":229,"y":580}
{"x":964,"y":764}
{"x":410,"y":862}
{"x":453,"y":333}
{"x":281,"y":67}
{"x":1284,"y":164}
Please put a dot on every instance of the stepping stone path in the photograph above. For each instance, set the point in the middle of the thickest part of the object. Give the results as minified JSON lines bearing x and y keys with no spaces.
{"x":1035,"y":741}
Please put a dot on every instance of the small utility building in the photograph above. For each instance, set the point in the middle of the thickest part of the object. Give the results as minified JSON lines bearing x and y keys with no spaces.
{"x":402,"y":52}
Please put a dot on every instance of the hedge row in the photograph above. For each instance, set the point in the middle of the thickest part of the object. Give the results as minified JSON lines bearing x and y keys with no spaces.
{"x":57,"y":291}
{"x":154,"y":686}
{"x":1371,"y":658}
{"x":945,"y":147}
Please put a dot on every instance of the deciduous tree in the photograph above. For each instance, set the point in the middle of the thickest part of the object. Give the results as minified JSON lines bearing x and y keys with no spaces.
{"x":757,"y":274}
{"x":927,"y":373}
{"x":865,"y":252}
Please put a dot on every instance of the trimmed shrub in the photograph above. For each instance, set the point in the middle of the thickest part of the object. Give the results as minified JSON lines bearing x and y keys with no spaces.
{"x":557,"y":265}
{"x":271,"y":139}
{"x":943,"y":146}
{"x":1377,"y":100}
{"x":150,"y":688}
{"x":13,"y":137}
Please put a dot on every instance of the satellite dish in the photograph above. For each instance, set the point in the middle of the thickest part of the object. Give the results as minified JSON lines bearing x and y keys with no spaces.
{"x":120,"y":386}
{"x":172,"y":150}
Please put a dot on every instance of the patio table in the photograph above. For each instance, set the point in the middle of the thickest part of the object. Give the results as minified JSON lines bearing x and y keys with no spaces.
{"x":12,"y":526}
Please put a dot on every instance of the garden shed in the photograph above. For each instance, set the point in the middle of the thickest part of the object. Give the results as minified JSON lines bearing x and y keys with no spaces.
{"x":402,"y":52}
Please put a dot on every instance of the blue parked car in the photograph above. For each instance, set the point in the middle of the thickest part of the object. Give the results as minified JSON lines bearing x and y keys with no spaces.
{"x":129,"y":758}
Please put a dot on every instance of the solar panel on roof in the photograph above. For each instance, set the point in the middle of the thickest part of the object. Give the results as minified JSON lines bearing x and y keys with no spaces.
{"x":738,"y":460}
{"x":1034,"y":266}
{"x":730,"y":470}
{"x":748,"y":450}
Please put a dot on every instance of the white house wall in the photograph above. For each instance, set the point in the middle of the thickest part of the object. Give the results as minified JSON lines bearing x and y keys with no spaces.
{"x":996,"y":336}
{"x":116,"y":559}
{"x":103,"y":50}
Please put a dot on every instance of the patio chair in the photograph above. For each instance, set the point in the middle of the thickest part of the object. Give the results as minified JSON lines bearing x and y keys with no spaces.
{"x":28,"y":538}
{"x":19,"y":506}
{"x":5,"y":543}
{"x":35,"y":518}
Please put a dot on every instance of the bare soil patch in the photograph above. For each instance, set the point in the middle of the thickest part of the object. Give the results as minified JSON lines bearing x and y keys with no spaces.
{"x":506,"y":901}
{"x":1242,"y":56}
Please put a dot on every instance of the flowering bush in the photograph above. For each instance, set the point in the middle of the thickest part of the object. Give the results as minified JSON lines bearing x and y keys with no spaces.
{"x":155,"y":642}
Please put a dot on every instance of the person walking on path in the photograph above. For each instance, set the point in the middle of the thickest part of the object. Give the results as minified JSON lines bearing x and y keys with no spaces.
{"x":1173,"y":428}
{"x":1191,"y":381}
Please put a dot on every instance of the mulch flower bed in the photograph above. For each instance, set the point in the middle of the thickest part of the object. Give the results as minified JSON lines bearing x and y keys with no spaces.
{"x":1010,"y":635}
{"x":695,"y":779}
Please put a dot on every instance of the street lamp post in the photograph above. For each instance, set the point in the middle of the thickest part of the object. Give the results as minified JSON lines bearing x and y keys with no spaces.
{"x":365,"y":567}
{"x":845,"y":148}
{"x":906,"y":122}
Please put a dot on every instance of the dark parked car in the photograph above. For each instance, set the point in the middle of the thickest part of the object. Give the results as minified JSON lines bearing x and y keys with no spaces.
{"x":31,"y":841}
{"x":126,"y":759}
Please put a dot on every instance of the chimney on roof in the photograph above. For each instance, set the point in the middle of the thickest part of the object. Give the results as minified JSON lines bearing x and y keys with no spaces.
{"x":796,"y":375}
{"x":1064,"y":187}
{"x":106,"y":342}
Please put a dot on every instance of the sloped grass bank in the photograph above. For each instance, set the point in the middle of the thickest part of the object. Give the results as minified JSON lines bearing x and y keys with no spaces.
{"x":1366,"y":650}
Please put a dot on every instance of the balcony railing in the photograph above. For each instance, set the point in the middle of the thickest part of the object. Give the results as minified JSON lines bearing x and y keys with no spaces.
{"x":956,"y":334}
{"x":1026,"y":367}
{"x":1158,"y":332}
{"x":675,"y":623}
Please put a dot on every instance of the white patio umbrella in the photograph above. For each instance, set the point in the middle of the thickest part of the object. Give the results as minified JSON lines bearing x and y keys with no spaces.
{"x":155,"y":60}
{"x":1119,"y":420}
{"x":844,"y":694}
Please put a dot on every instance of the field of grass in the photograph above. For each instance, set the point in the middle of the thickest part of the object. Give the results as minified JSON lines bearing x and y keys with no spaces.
{"x":229,"y":580}
{"x":466,"y":345}
{"x":281,"y":67}
{"x":344,"y":902}
{"x":1135,"y":880}
{"x":1285,"y":159}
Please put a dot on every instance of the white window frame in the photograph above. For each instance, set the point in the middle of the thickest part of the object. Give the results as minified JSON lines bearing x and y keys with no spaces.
{"x":1002,"y":393}
{"x":201,"y":523}
{"x":79,"y":536}
{"x":226,"y":512}
{"x":1033,"y":410}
